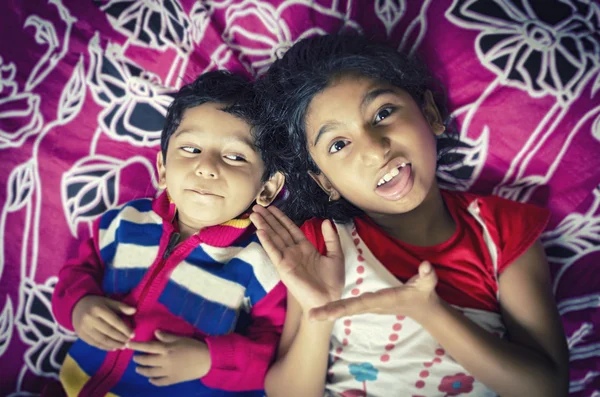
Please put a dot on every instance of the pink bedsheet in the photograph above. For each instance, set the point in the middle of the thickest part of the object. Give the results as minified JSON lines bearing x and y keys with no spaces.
{"x":84,"y":88}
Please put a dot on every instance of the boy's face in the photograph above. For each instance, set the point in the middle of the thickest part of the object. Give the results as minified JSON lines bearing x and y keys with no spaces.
{"x":213,"y":172}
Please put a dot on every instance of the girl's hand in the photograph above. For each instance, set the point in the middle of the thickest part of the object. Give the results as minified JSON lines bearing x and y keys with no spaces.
{"x":314,"y":280}
{"x":410,"y":299}
{"x":172,"y":359}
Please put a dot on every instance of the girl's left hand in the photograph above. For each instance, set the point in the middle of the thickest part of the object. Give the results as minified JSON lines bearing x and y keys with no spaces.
{"x":409,"y":299}
{"x":172,"y":359}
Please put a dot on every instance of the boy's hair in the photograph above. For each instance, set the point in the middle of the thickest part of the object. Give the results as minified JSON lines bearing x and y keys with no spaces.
{"x":238,"y":98}
{"x":291,"y":83}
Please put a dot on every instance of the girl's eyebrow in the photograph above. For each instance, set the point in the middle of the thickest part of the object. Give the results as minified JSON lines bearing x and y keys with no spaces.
{"x":374,"y":94}
{"x":367,"y":99}
{"x":327,"y":127}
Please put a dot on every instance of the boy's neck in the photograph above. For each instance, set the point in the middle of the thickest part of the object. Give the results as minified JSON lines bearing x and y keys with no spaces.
{"x":220,"y":235}
{"x":185,"y":231}
{"x":427,"y":225}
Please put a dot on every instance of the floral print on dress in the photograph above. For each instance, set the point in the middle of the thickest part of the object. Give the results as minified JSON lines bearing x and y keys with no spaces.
{"x":455,"y":385}
{"x":362,"y":373}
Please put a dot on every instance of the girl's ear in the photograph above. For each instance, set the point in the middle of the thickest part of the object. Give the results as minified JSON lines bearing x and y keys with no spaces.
{"x":162,"y":171}
{"x":432,"y":114}
{"x":270,"y":189}
{"x":325,"y":185}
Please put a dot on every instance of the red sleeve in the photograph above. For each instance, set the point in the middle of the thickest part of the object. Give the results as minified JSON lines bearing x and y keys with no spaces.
{"x":518,"y":226}
{"x":78,"y":278}
{"x":312,"y":230}
{"x":240,"y":362}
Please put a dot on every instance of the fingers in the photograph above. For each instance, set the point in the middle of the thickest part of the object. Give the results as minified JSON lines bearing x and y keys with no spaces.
{"x":148,"y":360}
{"x":162,"y":381}
{"x":273,"y":252}
{"x":290,"y":226}
{"x":281,"y":225}
{"x":151,"y":372}
{"x":278,"y":227}
{"x":335,"y":310}
{"x":148,"y":347}
{"x":111,"y":318}
{"x":109,"y":331}
{"x":425,"y":269}
{"x":122,"y":307}
{"x":263,"y":228}
{"x":166,"y":337}
{"x":427,"y":275}
{"x":101,"y":341}
{"x":369,"y":302}
{"x":332,"y":240}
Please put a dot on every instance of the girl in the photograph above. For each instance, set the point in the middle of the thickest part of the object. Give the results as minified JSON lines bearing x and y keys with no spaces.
{"x":413,"y":290}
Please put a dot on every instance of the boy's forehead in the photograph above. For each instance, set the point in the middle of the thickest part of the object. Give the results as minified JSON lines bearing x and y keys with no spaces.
{"x":211,"y":119}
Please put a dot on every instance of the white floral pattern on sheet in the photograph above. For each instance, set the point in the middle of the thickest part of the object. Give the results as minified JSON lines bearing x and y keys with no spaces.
{"x":84,"y":89}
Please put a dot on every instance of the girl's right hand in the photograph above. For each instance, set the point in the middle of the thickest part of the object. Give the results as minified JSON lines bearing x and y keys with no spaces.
{"x":313,"y":279}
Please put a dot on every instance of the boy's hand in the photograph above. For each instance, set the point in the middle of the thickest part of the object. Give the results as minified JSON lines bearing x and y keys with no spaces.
{"x":312,"y":278}
{"x":96,"y":322}
{"x":173,"y":359}
{"x":410,"y":299}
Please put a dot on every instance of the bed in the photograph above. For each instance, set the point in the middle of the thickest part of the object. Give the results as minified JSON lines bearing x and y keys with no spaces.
{"x":84,"y":87}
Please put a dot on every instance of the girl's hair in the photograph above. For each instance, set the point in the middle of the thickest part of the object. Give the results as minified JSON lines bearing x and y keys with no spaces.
{"x":308,"y":67}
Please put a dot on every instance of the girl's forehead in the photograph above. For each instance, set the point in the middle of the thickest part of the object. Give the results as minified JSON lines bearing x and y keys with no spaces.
{"x":351,"y":94}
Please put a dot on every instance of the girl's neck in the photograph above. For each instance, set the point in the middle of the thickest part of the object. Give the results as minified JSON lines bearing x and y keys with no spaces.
{"x":427,"y":225}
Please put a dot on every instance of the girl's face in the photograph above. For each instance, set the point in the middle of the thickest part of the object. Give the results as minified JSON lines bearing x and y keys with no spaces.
{"x":374,"y":145}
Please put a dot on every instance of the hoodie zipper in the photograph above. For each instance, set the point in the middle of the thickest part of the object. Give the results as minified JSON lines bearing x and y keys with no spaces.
{"x":173,"y":241}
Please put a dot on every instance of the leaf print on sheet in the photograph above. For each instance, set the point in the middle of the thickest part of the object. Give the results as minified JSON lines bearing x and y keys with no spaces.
{"x":540,"y":52}
{"x":20,"y":115}
{"x":91,"y":187}
{"x":389,"y":12}
{"x":156,"y":24}
{"x":6,"y":325}
{"x":49,"y":341}
{"x":135,"y":104}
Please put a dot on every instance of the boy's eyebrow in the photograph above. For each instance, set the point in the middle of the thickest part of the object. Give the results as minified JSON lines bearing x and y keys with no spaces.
{"x":327,"y":127}
{"x":184,"y":131}
{"x":243,"y":140}
{"x":372,"y":95}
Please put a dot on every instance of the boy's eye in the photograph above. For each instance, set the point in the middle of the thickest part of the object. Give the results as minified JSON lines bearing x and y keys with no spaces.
{"x":382,"y":114}
{"x":235,"y":157}
{"x":338,"y":145}
{"x":190,"y":149}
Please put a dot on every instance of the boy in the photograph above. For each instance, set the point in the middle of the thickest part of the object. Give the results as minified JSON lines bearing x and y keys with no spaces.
{"x":181,"y":280}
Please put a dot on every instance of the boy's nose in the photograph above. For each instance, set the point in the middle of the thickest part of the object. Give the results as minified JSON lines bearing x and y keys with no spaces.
{"x":207,"y":169}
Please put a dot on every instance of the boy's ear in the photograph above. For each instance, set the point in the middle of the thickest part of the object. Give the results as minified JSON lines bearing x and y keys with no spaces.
{"x":162,"y":171}
{"x":270,"y":189}
{"x":325,"y":185}
{"x":432,"y":114}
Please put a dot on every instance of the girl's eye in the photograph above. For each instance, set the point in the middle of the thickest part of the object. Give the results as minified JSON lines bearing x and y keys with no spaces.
{"x":382,"y":114}
{"x":337,"y":146}
{"x":190,"y":149}
{"x":235,"y":157}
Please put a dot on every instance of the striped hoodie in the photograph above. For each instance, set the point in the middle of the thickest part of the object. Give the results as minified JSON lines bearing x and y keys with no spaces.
{"x":218,"y":286}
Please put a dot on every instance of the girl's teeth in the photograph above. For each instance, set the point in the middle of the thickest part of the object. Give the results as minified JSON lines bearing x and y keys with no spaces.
{"x":389,"y":176}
